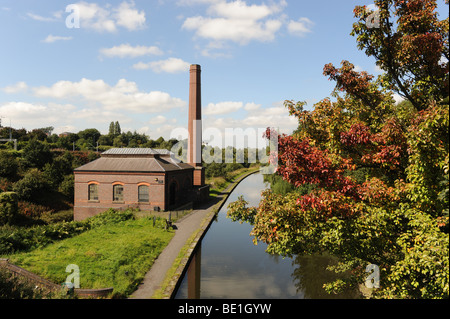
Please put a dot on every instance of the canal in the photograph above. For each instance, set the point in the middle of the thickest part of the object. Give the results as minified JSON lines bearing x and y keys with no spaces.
{"x":231,"y":266}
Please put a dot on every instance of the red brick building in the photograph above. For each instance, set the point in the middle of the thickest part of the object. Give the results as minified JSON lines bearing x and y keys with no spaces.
{"x":145,"y":178}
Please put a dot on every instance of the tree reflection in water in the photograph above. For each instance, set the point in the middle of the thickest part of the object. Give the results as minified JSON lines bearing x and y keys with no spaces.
{"x":311,"y":273}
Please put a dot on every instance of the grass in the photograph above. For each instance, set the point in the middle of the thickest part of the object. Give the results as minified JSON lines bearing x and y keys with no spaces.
{"x":115,"y":255}
{"x":219,"y":184}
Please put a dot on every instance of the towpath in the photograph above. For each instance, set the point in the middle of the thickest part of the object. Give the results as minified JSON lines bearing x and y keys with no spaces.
{"x":185,"y":228}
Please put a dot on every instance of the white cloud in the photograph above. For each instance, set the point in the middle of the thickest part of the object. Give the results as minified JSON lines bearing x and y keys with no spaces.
{"x":128,"y":17}
{"x":236,"y":21}
{"x":248,"y":129}
{"x":257,"y":117}
{"x":126,"y":50}
{"x":99,"y":115}
{"x":211,"y":48}
{"x":55,"y":17}
{"x":358,"y":68}
{"x":377,"y":69}
{"x":252,"y":106}
{"x":158,"y":120}
{"x":240,"y":10}
{"x":16,"y":88}
{"x":222,"y":108}
{"x":229,"y":107}
{"x":28,"y":114}
{"x":53,"y":38}
{"x":107,"y":19}
{"x":194,"y":2}
{"x":92,"y":16}
{"x":170,"y":65}
{"x":123,"y":96}
{"x":300,"y":27}
{"x":397,"y":98}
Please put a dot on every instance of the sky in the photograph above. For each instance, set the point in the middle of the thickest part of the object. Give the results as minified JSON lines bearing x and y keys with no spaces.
{"x":128,"y":61}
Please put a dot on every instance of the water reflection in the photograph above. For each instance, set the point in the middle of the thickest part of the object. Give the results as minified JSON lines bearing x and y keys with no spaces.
{"x":233,"y":267}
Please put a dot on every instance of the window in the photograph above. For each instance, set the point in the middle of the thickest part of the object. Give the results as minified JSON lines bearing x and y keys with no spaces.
{"x":93,"y":192}
{"x":118,"y":193}
{"x":143,"y":191}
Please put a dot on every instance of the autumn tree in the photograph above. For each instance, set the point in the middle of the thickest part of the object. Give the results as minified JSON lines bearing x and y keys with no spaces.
{"x":410,"y":44}
{"x":379,"y":170}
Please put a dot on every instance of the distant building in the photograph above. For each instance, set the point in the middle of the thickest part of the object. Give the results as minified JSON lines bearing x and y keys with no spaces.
{"x":145,"y":178}
{"x":63,"y":134}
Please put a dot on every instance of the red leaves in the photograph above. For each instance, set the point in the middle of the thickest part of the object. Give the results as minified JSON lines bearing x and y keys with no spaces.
{"x":385,"y":147}
{"x":358,"y":134}
{"x":357,"y":84}
{"x":375,"y":191}
{"x":301,"y":163}
{"x":325,"y":204}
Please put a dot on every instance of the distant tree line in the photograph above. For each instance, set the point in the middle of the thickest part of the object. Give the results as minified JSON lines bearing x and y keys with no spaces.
{"x":90,"y":139}
{"x":40,"y":172}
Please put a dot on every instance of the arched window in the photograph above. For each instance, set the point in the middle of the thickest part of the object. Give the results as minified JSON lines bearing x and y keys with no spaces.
{"x":93,"y":192}
{"x":118,"y":193}
{"x":143,"y":194}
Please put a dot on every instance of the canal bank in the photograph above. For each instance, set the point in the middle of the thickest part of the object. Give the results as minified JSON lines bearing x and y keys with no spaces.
{"x":163,"y":278}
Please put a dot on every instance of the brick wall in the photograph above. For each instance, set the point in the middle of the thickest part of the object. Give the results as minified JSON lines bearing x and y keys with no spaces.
{"x":159,"y":191}
{"x":48,"y":285}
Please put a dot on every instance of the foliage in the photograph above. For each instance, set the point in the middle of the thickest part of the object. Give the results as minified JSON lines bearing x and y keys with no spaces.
{"x":409,"y":37}
{"x":12,"y":287}
{"x":14,"y":239}
{"x":36,"y":154}
{"x":8,"y":164}
{"x":8,"y":207}
{"x":120,"y":262}
{"x":379,"y":169}
{"x":67,"y":186}
{"x":31,"y":185}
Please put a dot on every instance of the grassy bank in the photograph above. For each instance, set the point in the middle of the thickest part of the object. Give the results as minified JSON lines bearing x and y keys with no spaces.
{"x":116,"y":255}
{"x":219,"y":184}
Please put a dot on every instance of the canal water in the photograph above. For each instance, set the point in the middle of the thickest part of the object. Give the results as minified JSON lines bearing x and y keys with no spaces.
{"x":232,"y":267}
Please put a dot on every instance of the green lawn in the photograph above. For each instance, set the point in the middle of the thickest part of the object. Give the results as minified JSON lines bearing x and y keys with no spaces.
{"x":116,"y":255}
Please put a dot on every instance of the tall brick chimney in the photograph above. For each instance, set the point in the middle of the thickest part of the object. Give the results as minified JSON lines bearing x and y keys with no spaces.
{"x":194,"y":154}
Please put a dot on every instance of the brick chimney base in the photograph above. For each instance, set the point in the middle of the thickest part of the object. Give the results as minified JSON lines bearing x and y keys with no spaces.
{"x":199,"y":176}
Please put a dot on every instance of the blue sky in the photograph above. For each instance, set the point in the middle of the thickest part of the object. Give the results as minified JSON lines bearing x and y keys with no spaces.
{"x":128,"y":61}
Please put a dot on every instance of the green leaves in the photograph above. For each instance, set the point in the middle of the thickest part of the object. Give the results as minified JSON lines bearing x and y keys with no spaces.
{"x":380,"y":169}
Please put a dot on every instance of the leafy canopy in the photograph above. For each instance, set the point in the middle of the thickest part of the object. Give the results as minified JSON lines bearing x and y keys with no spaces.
{"x":379,"y":169}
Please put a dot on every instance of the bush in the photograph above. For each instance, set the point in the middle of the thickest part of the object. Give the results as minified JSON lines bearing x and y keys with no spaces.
{"x":8,"y":164}
{"x":215,"y":170}
{"x":37,"y":154}
{"x":50,"y":217}
{"x":22,"y":239}
{"x":8,"y":207}
{"x":30,"y":185}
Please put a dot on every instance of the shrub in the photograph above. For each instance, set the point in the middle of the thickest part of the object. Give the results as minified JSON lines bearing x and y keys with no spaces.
{"x":30,"y":185}
{"x":22,"y":239}
{"x":8,"y":164}
{"x":67,"y":186}
{"x":37,"y":154}
{"x":8,"y":207}
{"x":50,"y":217}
